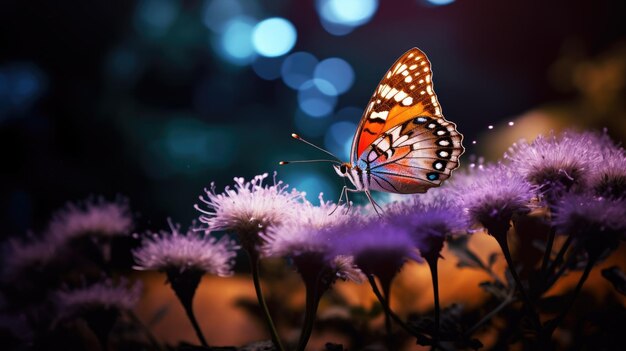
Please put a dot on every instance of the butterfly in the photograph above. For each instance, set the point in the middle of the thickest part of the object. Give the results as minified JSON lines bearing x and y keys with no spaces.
{"x":403,"y":144}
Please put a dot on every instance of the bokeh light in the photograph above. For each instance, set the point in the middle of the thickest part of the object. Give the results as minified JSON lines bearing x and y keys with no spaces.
{"x":21,"y":84}
{"x":338,"y":140}
{"x":298,"y":69}
{"x":439,"y":2}
{"x":218,"y":12}
{"x":313,"y":183}
{"x":314,"y":101}
{"x":268,"y":68}
{"x":274,"y":37}
{"x":335,"y":71}
{"x":235,"y":43}
{"x":189,"y":146}
{"x":340,"y":17}
{"x":310,"y":127}
{"x":153,"y":18}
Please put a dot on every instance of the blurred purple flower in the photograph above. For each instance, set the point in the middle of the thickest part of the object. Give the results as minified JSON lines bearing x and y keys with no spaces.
{"x":102,"y":295}
{"x":379,"y":247}
{"x":173,"y":250}
{"x":93,"y":218}
{"x":599,"y":223}
{"x":27,"y":257}
{"x":305,"y":239}
{"x":557,"y":163}
{"x":428,"y":223}
{"x":248,"y":209}
{"x":495,"y":195}
{"x":608,"y":178}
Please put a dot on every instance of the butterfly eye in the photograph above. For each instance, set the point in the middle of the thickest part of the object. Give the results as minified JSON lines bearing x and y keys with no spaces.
{"x":343,"y":169}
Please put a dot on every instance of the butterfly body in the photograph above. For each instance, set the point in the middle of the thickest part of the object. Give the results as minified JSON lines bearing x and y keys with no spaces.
{"x":403,"y":144}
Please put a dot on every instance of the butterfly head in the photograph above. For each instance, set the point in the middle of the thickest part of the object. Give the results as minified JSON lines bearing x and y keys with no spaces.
{"x":342,"y":169}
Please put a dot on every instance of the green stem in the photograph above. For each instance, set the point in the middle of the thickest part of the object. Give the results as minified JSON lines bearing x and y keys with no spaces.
{"x":254,"y":267}
{"x":194,"y":323}
{"x":548,"y":253}
{"x":432,"y":263}
{"x":555,"y":322}
{"x":385,"y":305}
{"x":312,"y":302}
{"x":552,"y":278}
{"x":386,"y":287}
{"x":504,"y":246}
{"x":509,"y":299}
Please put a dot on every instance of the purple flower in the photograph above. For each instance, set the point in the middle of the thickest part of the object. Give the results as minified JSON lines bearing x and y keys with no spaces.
{"x":95,"y":218}
{"x":608,"y":178}
{"x":599,"y":223}
{"x":557,"y":163}
{"x":379,"y":247}
{"x":102,"y":295}
{"x":428,"y":223}
{"x":495,"y":195}
{"x":173,"y":250}
{"x":306,"y":240}
{"x":27,"y":257}
{"x":248,"y":209}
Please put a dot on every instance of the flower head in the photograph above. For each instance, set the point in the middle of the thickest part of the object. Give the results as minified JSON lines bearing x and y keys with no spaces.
{"x":557,"y":163}
{"x":25,"y":258}
{"x":98,"y":218}
{"x":173,"y":250}
{"x":102,"y":295}
{"x":305,"y":232}
{"x":306,"y":240}
{"x":608,"y":178}
{"x":598,"y":222}
{"x":495,"y":195}
{"x":428,"y":223}
{"x":249,"y":208}
{"x":379,"y":247}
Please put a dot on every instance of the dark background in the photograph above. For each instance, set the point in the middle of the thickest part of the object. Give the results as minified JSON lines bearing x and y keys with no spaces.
{"x":93,"y":102}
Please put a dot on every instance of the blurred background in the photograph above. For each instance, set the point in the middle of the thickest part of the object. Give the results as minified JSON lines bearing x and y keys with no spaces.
{"x":155,"y":99}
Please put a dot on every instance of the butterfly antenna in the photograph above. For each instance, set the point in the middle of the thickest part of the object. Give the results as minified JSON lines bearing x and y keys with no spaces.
{"x":297,"y":137}
{"x":282,"y":163}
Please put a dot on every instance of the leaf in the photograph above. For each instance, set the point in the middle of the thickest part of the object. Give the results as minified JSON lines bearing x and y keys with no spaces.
{"x":496,"y":289}
{"x":617,"y":277}
{"x":467,"y":258}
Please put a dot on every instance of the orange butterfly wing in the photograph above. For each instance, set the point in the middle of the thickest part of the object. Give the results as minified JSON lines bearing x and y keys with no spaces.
{"x":405,"y":91}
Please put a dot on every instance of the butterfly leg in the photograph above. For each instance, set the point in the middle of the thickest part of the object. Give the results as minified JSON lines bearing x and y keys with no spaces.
{"x":343,"y":190}
{"x":374,"y":203}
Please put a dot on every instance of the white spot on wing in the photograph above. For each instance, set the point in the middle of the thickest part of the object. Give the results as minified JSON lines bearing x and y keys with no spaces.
{"x":386,"y":88}
{"x":400,"y":95}
{"x":407,"y":101}
{"x":380,"y":115}
{"x":390,"y":94}
{"x":408,"y":79}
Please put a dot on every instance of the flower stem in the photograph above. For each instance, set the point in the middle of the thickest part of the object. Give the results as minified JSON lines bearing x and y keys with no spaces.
{"x":502,"y":240}
{"x":184,"y":285}
{"x":559,"y":257}
{"x":555,"y":322}
{"x":432,"y":263}
{"x":509,"y":299}
{"x":388,"y":310}
{"x":254,"y":267}
{"x":548,"y":253}
{"x":194,"y":323}
{"x":386,"y":290}
{"x":312,"y":302}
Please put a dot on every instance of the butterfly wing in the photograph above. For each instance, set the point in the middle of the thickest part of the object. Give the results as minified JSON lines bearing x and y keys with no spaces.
{"x":403,"y":139}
